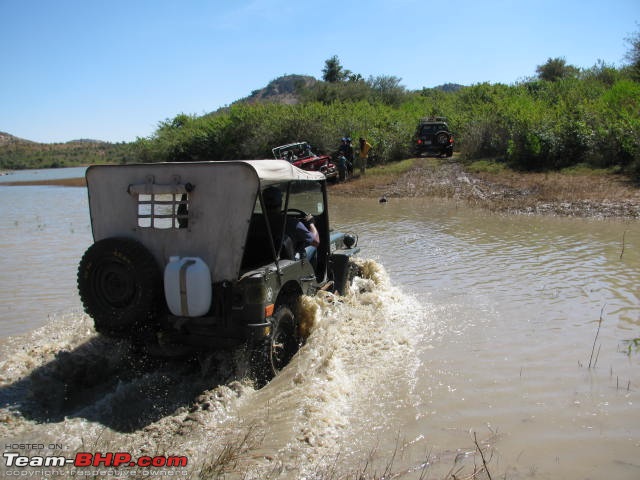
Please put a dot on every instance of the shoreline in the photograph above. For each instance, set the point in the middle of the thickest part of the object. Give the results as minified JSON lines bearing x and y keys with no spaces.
{"x":560,"y":194}
{"x":60,"y":182}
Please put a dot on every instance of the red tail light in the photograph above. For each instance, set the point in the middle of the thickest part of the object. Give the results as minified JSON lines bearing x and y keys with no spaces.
{"x":419,"y":142}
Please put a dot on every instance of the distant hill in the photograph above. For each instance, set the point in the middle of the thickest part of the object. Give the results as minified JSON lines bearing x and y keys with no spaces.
{"x":17,"y":153}
{"x":8,"y":139}
{"x":290,"y":89}
{"x":449,"y":87}
{"x":86,"y":140}
{"x":285,"y":89}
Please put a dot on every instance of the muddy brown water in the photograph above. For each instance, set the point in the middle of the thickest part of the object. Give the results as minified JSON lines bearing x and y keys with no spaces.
{"x":470,"y":327}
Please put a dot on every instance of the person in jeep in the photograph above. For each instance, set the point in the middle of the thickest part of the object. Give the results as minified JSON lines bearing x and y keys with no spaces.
{"x":302,"y":233}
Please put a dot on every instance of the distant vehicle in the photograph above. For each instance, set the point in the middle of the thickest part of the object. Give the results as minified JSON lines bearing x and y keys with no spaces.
{"x":433,"y":137}
{"x":186,"y":257}
{"x":300,"y":155}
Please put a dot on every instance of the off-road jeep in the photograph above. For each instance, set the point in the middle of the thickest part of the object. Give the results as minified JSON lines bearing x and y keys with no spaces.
{"x":300,"y":155}
{"x":186,"y":258}
{"x":433,"y":136}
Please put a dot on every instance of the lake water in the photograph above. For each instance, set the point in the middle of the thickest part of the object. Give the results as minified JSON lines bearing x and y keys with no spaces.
{"x":475,"y":327}
{"x":42,"y":174}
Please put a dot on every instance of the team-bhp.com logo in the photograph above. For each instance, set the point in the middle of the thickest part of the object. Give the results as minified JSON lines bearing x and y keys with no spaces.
{"x":99,"y":460}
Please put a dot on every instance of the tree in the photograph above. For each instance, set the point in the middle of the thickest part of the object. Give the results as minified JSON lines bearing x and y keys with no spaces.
{"x":333,"y":71}
{"x":633,"y":55}
{"x":607,"y":74}
{"x":387,"y":89}
{"x":555,"y":69}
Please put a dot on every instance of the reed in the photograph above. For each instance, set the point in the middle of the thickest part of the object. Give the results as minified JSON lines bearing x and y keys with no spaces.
{"x":227,"y":458}
{"x":484,"y":461}
{"x":596,"y":339}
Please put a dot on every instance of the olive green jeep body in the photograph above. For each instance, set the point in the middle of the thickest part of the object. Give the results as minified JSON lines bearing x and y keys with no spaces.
{"x":186,"y":258}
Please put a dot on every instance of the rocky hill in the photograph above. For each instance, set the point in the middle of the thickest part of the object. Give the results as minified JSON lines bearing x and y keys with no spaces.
{"x":8,"y":139}
{"x":283,"y":89}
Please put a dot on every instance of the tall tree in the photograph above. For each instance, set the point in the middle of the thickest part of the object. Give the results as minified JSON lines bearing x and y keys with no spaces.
{"x":633,"y":55}
{"x":333,"y":71}
{"x":387,"y":89}
{"x":555,"y":69}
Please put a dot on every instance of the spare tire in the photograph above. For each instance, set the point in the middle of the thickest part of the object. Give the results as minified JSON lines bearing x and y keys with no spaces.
{"x":120,"y":285}
{"x":442,"y":138}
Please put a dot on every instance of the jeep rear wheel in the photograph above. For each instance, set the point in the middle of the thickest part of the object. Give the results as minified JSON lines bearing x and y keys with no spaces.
{"x":120,"y":285}
{"x":284,"y":339}
{"x":278,"y":350}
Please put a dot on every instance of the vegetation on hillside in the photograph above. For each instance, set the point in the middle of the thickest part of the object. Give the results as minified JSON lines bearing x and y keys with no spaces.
{"x":563,"y":117}
{"x":16,"y":154}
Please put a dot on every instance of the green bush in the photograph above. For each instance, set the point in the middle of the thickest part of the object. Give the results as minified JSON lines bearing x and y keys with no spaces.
{"x":591,"y":118}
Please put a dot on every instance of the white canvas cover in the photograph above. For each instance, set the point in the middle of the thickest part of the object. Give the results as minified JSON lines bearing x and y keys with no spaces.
{"x":221,"y":195}
{"x":274,"y":171}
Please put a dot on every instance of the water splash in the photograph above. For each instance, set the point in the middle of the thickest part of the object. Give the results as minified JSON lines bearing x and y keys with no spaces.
{"x":64,"y":383}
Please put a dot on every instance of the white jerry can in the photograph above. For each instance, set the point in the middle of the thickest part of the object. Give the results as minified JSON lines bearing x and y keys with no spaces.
{"x":187,"y":286}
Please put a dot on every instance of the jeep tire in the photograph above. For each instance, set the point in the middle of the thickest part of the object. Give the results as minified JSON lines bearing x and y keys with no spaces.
{"x":120,"y":286}
{"x":276,"y":352}
{"x":442,"y":138}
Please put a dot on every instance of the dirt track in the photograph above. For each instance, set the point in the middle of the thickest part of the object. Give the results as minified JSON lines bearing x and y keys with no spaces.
{"x":520,"y":193}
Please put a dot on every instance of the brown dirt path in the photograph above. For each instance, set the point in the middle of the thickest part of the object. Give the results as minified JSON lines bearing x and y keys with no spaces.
{"x":580,"y":195}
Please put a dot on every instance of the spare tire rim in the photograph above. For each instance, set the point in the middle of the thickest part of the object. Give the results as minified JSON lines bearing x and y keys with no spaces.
{"x":114,"y":284}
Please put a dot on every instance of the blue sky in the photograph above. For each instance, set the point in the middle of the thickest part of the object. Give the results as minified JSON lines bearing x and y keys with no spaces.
{"x":112,"y":69}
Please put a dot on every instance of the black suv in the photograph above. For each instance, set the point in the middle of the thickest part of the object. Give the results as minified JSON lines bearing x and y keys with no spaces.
{"x":433,"y":136}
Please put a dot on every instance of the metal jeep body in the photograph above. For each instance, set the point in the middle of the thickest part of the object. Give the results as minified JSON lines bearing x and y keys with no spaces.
{"x":300,"y":155}
{"x":433,"y":137}
{"x":186,"y":258}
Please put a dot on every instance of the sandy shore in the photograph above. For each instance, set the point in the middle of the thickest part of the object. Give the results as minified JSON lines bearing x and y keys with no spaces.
{"x":579,"y":195}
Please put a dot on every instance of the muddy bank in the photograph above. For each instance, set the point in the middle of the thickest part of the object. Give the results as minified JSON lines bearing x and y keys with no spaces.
{"x":62,"y":182}
{"x":575,"y":195}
